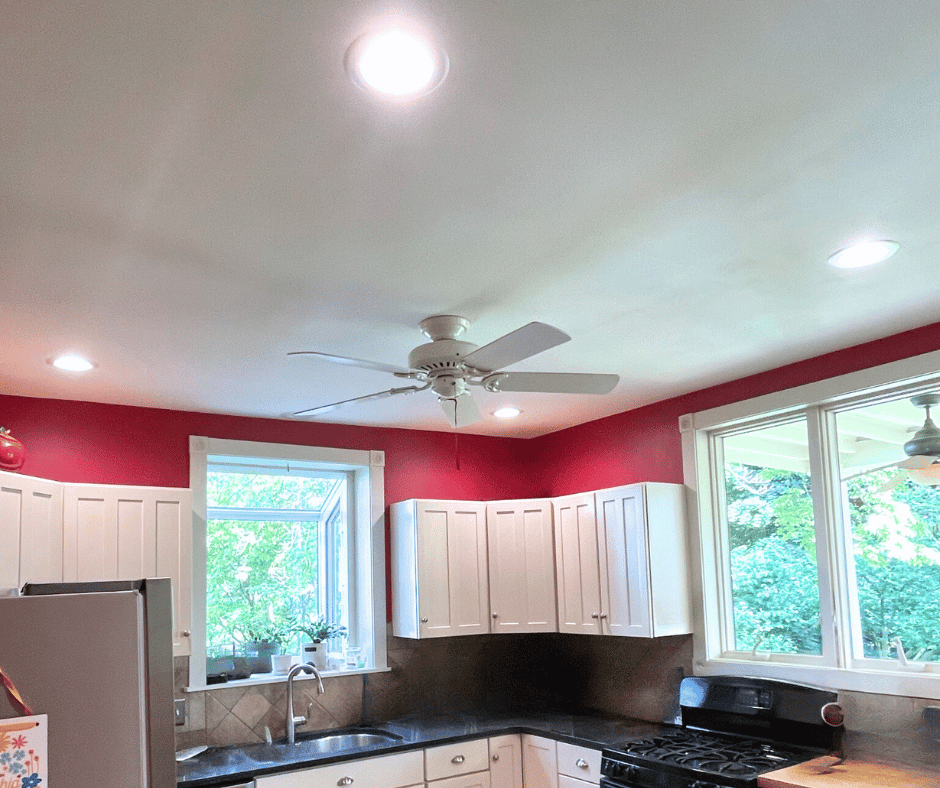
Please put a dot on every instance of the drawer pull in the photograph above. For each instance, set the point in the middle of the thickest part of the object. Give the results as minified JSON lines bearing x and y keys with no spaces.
{"x":496,"y":757}
{"x":345,"y":781}
{"x":424,"y":621}
{"x":581,"y":763}
{"x":457,"y":759}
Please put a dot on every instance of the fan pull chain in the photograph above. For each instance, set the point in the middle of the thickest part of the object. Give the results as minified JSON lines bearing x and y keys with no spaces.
{"x":456,"y":446}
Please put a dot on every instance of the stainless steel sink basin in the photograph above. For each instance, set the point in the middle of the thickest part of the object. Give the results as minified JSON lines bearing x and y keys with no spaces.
{"x":347,"y":740}
{"x":319,"y":744}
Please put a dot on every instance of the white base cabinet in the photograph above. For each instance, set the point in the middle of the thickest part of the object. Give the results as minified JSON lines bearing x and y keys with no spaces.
{"x":400,"y":770}
{"x":506,"y":761}
{"x":539,"y":762}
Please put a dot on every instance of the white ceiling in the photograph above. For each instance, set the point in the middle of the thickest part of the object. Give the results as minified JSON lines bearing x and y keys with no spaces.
{"x":190,"y":190}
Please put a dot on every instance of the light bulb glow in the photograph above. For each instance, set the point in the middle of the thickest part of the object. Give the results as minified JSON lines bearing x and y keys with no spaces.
{"x":72,"y":362}
{"x":396,"y":63}
{"x":863,"y":254}
{"x":507,"y":412}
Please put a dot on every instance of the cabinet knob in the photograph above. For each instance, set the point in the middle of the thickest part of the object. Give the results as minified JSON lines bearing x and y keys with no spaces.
{"x":424,"y":621}
{"x":594,"y":615}
{"x":457,"y":759}
{"x":185,"y":633}
{"x":581,"y":763}
{"x":603,"y":615}
{"x":496,"y":757}
{"x":495,"y":615}
{"x":345,"y":781}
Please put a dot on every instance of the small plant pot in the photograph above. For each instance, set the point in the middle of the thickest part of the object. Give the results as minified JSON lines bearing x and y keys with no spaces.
{"x":315,"y":653}
{"x":280,"y":663}
{"x":259,"y":655}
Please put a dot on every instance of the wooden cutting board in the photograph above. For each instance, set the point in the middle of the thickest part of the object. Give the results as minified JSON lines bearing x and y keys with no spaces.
{"x":854,"y":773}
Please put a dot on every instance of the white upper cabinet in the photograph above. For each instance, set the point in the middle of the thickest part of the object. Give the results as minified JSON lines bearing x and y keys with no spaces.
{"x":643,"y":560}
{"x":521,"y":566}
{"x":439,"y":572}
{"x":30,"y":530}
{"x":576,"y":556}
{"x":113,"y":532}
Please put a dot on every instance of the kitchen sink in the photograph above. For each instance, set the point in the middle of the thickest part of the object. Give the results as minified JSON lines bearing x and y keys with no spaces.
{"x":320,"y":744}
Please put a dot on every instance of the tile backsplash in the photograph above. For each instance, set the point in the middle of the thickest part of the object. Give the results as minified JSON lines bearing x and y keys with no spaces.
{"x":624,"y":676}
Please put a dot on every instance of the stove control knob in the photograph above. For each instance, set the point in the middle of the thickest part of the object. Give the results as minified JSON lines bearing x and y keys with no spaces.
{"x":630,"y":773}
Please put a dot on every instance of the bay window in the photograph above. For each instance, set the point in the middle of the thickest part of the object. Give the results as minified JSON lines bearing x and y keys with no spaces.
{"x":818,"y":553}
{"x":283,"y":536}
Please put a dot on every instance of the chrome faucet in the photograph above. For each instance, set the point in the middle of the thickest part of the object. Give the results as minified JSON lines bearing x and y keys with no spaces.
{"x":292,"y":721}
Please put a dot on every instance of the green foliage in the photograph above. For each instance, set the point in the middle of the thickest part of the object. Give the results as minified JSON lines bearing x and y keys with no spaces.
{"x":896,"y":545}
{"x":319,"y":629}
{"x":262,"y":575}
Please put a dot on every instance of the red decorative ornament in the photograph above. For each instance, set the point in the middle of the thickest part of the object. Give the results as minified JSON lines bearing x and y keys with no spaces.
{"x":12,"y":451}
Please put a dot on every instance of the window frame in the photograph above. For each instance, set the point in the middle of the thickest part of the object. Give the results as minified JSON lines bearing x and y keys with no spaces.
{"x":819,"y":403}
{"x":366,"y":544}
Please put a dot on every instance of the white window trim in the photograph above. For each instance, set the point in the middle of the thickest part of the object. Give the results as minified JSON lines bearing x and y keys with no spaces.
{"x":368,"y":473}
{"x":836,"y":670}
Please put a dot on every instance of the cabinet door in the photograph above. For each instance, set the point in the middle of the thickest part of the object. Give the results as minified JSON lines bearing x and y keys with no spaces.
{"x":122,"y":533}
{"x":453,"y":593}
{"x":476,"y":780}
{"x":577,"y":561}
{"x":539,"y":762}
{"x":30,"y":530}
{"x":625,"y":574}
{"x":506,"y":761}
{"x":522,"y":566}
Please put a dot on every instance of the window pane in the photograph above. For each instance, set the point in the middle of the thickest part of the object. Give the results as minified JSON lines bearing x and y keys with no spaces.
{"x":257,"y":490}
{"x":769,"y":512}
{"x":894,"y":527}
{"x":267,"y":576}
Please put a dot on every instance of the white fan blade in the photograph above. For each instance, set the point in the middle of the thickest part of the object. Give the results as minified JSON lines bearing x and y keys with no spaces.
{"x":380,"y":395}
{"x":515,"y":346}
{"x":350,"y":362}
{"x":461,"y":411}
{"x":553,"y":382}
{"x":895,"y":481}
{"x":918,"y":461}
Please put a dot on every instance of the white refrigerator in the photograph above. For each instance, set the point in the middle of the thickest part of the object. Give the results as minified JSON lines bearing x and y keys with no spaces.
{"x":97,"y":658}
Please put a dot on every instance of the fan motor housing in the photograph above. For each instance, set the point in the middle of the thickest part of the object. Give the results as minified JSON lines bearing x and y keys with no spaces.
{"x":442,"y":357}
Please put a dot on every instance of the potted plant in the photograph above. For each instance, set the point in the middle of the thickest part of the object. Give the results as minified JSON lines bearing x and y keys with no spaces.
{"x":317,"y":630}
{"x":263,"y":639}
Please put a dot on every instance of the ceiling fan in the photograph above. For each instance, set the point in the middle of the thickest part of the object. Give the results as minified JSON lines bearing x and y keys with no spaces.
{"x":449,"y":366}
{"x":923,"y":450}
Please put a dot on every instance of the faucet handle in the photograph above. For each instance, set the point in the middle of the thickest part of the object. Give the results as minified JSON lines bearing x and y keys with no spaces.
{"x":299,"y":719}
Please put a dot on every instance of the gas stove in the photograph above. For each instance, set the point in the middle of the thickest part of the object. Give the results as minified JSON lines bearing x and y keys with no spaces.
{"x":733,"y":730}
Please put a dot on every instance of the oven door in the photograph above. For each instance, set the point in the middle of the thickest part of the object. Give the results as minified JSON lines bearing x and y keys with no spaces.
{"x":641,"y":777}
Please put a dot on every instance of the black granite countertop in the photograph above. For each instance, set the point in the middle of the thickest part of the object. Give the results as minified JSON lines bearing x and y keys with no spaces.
{"x":224,"y":766}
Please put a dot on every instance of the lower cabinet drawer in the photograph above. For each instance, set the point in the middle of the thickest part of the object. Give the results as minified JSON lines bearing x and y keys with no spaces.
{"x":450,"y":760}
{"x":564,"y":781}
{"x":387,"y":771}
{"x":582,"y":763}
{"x":476,"y":780}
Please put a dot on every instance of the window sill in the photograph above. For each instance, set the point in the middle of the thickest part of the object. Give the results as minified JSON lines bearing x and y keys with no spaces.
{"x":916,"y":682}
{"x":271,"y":678}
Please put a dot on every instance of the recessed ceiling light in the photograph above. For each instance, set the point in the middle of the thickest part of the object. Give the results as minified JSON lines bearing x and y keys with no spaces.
{"x":396,"y":63}
{"x":862,"y":254}
{"x":507,"y":412}
{"x":71,"y":362}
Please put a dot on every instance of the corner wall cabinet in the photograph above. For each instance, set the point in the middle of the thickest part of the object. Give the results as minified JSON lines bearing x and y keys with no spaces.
{"x":87,"y":532}
{"x":619,"y":555}
{"x":623,"y":561}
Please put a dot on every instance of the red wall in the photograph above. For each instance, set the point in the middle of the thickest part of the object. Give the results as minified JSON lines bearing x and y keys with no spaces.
{"x":643,"y":445}
{"x":116,"y":444}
